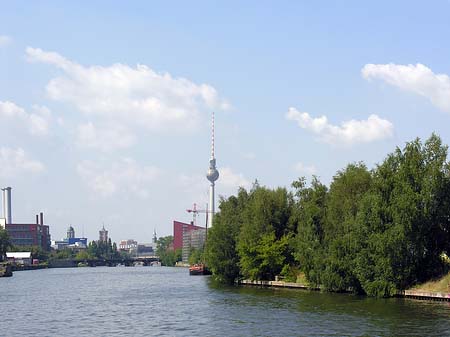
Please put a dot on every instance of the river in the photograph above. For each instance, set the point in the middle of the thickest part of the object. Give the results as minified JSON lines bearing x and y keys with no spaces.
{"x":159,"y":301}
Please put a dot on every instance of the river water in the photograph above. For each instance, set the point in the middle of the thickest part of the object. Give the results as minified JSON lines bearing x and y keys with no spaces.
{"x":159,"y":301}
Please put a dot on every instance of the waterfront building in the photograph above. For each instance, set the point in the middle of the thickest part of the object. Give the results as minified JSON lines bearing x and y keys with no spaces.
{"x":19,"y":258}
{"x":103,"y":235}
{"x":128,"y":245}
{"x":28,"y":234}
{"x":70,"y":241}
{"x":59,"y":244}
{"x":187,"y":236}
{"x":80,"y":243}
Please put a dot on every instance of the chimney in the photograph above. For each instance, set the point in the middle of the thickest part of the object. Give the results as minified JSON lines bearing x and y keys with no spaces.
{"x":42,"y":218}
{"x":7,"y":204}
{"x":37,"y":219}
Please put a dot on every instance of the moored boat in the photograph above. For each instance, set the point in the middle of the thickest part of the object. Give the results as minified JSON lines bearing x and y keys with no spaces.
{"x":199,"y":269}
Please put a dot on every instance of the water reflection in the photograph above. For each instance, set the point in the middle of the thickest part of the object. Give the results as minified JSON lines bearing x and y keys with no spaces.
{"x":154,"y":301}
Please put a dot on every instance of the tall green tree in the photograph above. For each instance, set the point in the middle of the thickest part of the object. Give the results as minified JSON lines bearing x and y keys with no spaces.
{"x":5,"y":243}
{"x":266,"y":220}
{"x":167,"y":255}
{"x":309,"y":216}
{"x":341,"y":241}
{"x":405,"y":219}
{"x":221,"y":251}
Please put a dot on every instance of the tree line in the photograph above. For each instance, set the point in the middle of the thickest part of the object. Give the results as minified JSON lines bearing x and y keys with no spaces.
{"x":370,"y":231}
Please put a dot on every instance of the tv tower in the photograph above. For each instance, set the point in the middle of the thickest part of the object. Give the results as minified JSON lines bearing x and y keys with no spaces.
{"x":212,"y":176}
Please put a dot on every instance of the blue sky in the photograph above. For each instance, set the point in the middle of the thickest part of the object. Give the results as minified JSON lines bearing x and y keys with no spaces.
{"x":105,"y":106}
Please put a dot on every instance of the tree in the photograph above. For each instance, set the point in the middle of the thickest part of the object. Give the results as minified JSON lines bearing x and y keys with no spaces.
{"x":195,"y":256}
{"x":167,"y":255}
{"x":309,"y":216}
{"x":404,"y":219}
{"x":221,"y":254}
{"x":5,"y":243}
{"x":265,"y":222}
{"x":341,"y":240}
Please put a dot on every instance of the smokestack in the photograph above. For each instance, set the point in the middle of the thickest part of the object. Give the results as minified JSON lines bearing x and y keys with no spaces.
{"x":37,"y":219}
{"x":42,"y":218}
{"x":7,"y":204}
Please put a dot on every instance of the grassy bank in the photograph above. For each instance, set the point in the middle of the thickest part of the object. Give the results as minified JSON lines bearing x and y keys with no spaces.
{"x":438,"y":285}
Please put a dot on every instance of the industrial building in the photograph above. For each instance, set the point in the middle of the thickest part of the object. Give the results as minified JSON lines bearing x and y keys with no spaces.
{"x":28,"y":234}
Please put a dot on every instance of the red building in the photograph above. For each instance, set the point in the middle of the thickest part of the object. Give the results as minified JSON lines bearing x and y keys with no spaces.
{"x":36,"y":234}
{"x":180,"y":229}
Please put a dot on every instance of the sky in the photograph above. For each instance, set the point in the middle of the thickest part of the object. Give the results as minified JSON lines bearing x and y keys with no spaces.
{"x":105,"y":106}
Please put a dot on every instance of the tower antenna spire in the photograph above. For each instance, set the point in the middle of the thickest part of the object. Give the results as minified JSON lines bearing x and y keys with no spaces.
{"x":212,"y":136}
{"x":212,"y":176}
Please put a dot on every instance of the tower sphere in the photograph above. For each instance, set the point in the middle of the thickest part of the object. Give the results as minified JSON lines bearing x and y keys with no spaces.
{"x":212,"y":174}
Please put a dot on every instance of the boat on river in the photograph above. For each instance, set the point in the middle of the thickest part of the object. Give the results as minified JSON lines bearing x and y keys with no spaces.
{"x":199,"y":269}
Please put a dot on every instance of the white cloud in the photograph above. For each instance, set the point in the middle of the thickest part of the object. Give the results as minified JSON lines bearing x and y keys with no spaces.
{"x":11,"y":110}
{"x":348,"y":133}
{"x":137,"y":96}
{"x":107,"y":139}
{"x":37,"y":122}
{"x":305,"y":169}
{"x":231,"y":181}
{"x":123,"y":176}
{"x":418,"y":79}
{"x":14,"y":162}
{"x":4,"y":40}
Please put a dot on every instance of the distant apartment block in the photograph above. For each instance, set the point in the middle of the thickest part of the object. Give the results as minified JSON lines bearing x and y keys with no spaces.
{"x":187,"y":236}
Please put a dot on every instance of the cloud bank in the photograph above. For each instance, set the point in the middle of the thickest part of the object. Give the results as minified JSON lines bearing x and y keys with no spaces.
{"x":14,"y":162}
{"x":348,"y":133}
{"x":418,"y":79}
{"x":122,"y":176}
{"x":37,"y":123}
{"x":136,"y":96}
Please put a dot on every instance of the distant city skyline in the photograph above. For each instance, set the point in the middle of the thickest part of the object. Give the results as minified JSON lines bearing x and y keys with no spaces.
{"x":105,"y":107}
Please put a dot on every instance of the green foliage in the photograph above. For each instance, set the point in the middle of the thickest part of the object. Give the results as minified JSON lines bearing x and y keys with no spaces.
{"x":102,"y":250}
{"x":82,"y":255}
{"x":164,"y":249}
{"x":374,"y":232}
{"x":62,"y":254}
{"x":195,"y":256}
{"x":5,"y":243}
{"x":221,"y":252}
{"x":309,"y":215}
{"x":406,"y":219}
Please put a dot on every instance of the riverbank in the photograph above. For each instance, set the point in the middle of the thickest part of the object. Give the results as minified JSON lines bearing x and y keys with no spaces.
{"x":5,"y":270}
{"x":30,"y":267}
{"x":413,"y":293}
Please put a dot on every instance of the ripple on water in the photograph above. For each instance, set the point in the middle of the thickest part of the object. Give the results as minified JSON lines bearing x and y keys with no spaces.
{"x":154,"y":301}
